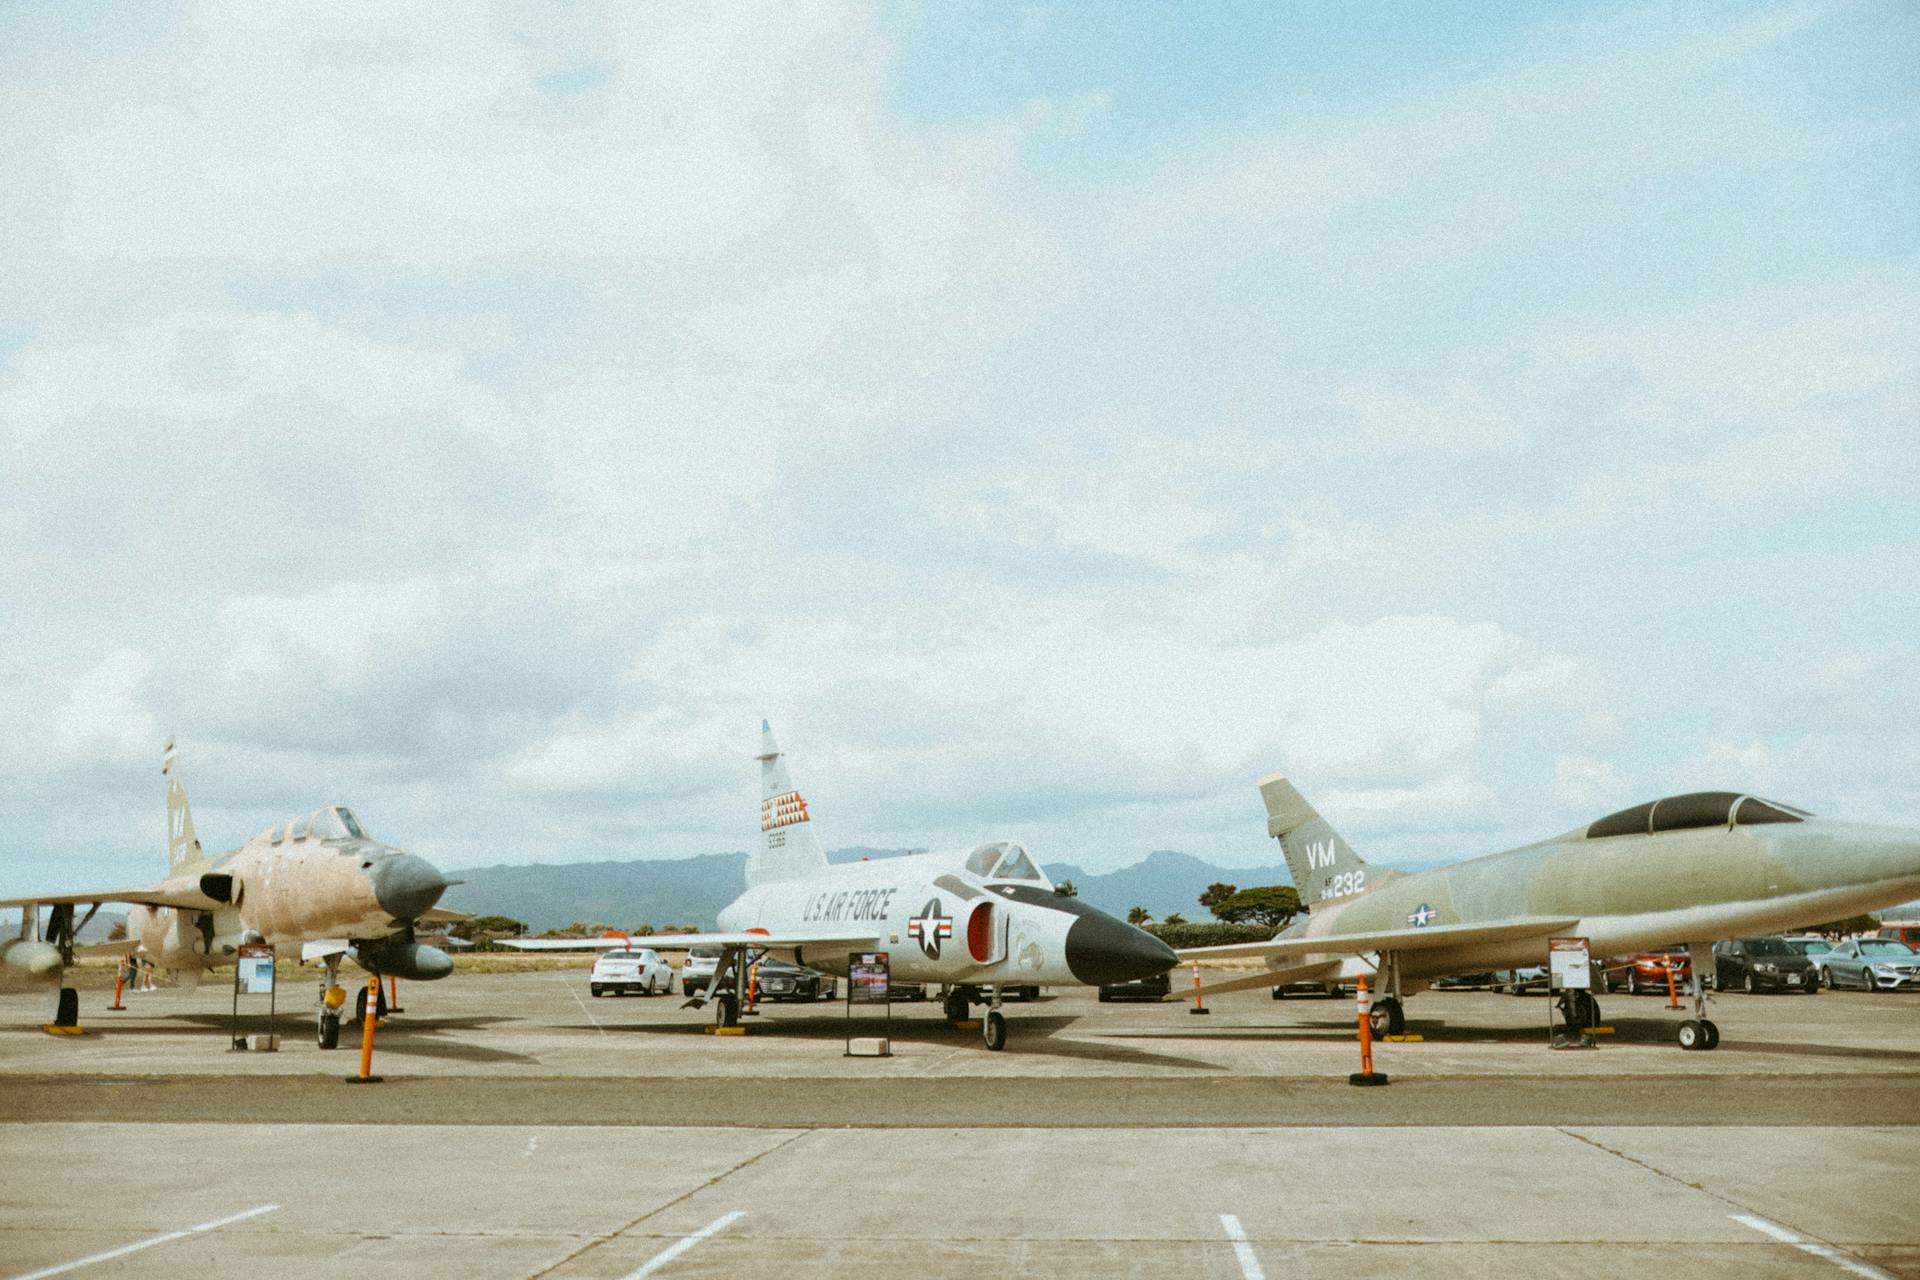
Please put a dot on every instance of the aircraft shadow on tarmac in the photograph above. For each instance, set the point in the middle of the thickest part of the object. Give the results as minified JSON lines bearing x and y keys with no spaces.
{"x":1031,"y":1036}
{"x":402,"y":1037}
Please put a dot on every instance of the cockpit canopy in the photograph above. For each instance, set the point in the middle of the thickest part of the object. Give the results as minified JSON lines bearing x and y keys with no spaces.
{"x":1005,"y":860}
{"x":1695,"y":809}
{"x":335,"y":822}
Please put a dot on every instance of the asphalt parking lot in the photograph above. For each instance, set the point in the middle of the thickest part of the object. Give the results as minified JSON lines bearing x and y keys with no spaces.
{"x":527,"y":1129}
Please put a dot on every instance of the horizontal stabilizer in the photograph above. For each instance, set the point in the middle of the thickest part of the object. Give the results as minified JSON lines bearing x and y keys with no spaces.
{"x":1321,"y":972}
{"x":1353,"y":944}
{"x":95,"y":950}
{"x":311,"y":951}
{"x":440,"y":915}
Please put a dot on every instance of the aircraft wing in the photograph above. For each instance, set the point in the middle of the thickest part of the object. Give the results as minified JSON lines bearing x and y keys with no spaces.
{"x":1353,"y":944}
{"x":1259,"y":981}
{"x":118,"y":947}
{"x":190,"y":899}
{"x":785,"y":940}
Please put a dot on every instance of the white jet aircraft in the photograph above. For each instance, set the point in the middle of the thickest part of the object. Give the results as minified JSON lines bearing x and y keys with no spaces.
{"x":967,"y":919}
{"x":318,"y":883}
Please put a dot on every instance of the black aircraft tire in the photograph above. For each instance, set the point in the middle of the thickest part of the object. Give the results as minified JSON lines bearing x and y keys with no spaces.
{"x":1387,"y":1018}
{"x":1712,"y":1034}
{"x":1692,"y":1035}
{"x":329,"y":1029}
{"x":67,"y":1008}
{"x":955,"y":1006}
{"x":995,"y":1030}
{"x":725,"y":1012}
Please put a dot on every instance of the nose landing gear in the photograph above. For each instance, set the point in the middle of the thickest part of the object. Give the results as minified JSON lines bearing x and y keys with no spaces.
{"x":1698,"y":1032}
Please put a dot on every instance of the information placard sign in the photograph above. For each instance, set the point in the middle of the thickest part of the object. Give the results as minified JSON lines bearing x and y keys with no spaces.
{"x":869,"y":982}
{"x":256,"y":970}
{"x":868,"y":978}
{"x":1568,"y":967}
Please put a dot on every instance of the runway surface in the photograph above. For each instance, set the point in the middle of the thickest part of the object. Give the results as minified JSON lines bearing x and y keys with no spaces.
{"x":525,"y":1130}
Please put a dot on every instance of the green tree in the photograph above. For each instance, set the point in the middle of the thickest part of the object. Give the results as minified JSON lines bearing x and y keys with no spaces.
{"x":1217,"y":893}
{"x":1137,"y":915}
{"x":1844,"y":928}
{"x":1175,"y":918}
{"x":468,"y":929}
{"x":1066,"y":890}
{"x":1271,"y":906}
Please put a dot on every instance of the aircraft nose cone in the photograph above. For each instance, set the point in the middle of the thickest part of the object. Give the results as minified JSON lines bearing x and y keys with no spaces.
{"x":1101,"y":950}
{"x":406,"y":885}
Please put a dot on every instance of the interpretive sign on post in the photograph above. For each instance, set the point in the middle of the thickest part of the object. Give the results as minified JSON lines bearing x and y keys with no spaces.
{"x":253,"y":976}
{"x":1569,"y":988}
{"x":869,"y":982}
{"x":1568,"y":964}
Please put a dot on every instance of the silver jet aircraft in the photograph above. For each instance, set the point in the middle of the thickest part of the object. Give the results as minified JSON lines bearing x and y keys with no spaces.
{"x":968,"y":919}
{"x":1699,"y":867}
{"x":318,"y":883}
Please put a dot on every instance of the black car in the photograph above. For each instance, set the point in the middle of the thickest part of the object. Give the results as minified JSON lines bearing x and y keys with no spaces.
{"x":1149,"y":988}
{"x":784,"y":980}
{"x":1762,"y":964}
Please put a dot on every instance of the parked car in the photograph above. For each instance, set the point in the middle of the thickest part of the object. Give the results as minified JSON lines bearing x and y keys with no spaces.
{"x":1871,"y":964}
{"x":784,"y":980}
{"x":898,"y":990}
{"x":1335,"y":989}
{"x":1907,"y":931}
{"x":1645,"y":971}
{"x":1519,"y":981}
{"x":696,"y":971}
{"x":1762,"y":964}
{"x":1151,"y":987}
{"x":1491,"y":981}
{"x":639,"y":970}
{"x":1812,"y":946}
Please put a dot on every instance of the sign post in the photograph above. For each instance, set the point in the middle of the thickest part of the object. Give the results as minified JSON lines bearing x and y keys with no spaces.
{"x":868,"y":983}
{"x":253,"y":976}
{"x":1570,"y":985}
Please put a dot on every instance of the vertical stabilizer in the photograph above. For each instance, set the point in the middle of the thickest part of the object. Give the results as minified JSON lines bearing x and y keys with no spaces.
{"x":1324,"y":866}
{"x":183,"y":846}
{"x":788,"y":848}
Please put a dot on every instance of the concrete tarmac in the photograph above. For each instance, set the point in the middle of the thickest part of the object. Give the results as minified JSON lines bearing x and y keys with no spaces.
{"x":527,"y":1129}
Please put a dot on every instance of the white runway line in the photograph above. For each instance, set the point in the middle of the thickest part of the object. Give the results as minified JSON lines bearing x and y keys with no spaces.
{"x":1814,"y":1247}
{"x":582,"y":1003}
{"x":673,"y":1251}
{"x":1242,"y":1248}
{"x":138,"y":1245}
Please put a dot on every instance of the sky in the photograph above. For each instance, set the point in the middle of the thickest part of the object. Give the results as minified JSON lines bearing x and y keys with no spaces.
{"x":1051,"y":419}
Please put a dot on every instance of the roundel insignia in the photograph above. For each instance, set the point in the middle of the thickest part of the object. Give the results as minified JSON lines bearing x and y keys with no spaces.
{"x":1421,"y":916}
{"x":929,"y":927}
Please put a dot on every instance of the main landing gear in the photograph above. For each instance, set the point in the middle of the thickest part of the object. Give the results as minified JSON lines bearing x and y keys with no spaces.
{"x":1387,"y":1017}
{"x":1579,"y":1011}
{"x":1698,"y":1032}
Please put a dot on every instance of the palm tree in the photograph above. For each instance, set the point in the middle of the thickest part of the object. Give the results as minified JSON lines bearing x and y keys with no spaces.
{"x":1137,"y":915}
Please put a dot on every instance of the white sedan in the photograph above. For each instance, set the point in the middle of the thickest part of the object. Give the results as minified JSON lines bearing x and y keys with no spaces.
{"x":640,"y":970}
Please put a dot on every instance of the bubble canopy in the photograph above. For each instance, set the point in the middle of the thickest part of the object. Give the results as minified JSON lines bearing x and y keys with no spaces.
{"x":1004,"y":860}
{"x":335,"y":822}
{"x":1695,"y":809}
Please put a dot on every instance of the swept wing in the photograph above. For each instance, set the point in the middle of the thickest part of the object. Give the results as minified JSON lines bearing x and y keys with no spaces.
{"x":165,"y":895}
{"x":784,"y":940}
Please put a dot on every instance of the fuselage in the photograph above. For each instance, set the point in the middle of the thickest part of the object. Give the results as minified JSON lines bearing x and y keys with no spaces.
{"x":311,"y":880}
{"x":941,"y":921}
{"x":1630,"y":892}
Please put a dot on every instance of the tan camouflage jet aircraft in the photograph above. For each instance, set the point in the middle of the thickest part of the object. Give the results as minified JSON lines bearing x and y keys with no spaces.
{"x":318,"y":883}
{"x":1698,"y":867}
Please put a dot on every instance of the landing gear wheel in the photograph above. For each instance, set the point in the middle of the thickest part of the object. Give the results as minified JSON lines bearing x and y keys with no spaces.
{"x":329,"y":1029}
{"x":1712,"y":1034}
{"x":379,"y":1006}
{"x":66,"y":1010}
{"x":1693,"y":1035}
{"x":1387,"y":1018}
{"x":725,"y":1012}
{"x":956,"y":1009}
{"x":994,"y":1027}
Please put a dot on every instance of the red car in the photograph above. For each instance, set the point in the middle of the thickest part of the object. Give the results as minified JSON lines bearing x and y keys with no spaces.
{"x":1647,"y":971}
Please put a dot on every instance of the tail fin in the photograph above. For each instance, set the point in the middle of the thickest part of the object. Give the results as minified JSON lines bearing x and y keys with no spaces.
{"x":1324,"y":866}
{"x":789,"y":849}
{"x":183,"y":846}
